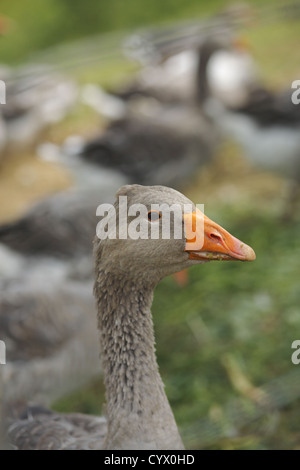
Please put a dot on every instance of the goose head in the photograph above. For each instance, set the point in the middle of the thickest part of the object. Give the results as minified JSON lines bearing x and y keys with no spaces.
{"x":130,"y":248}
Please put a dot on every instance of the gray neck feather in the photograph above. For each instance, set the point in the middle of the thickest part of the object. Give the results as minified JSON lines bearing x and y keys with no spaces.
{"x":138,"y":412}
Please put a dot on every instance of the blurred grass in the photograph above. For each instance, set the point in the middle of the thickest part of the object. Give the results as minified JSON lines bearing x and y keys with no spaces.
{"x":229,"y":331}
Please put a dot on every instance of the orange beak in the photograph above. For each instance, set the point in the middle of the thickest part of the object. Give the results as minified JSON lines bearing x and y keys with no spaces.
{"x":206,"y":240}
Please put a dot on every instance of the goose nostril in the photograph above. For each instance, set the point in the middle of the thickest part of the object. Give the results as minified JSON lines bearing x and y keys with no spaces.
{"x":215,"y":237}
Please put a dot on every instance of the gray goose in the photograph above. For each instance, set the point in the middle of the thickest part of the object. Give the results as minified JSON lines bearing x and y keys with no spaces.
{"x":126,"y":273}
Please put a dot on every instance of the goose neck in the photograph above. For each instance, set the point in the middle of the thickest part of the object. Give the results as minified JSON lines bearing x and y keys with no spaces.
{"x":138,"y":412}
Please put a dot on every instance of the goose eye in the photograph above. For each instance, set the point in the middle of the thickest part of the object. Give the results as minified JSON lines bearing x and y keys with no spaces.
{"x":154,"y":216}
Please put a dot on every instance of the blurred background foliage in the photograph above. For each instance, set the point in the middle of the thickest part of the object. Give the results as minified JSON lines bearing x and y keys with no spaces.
{"x":227,"y":334}
{"x":38,"y":25}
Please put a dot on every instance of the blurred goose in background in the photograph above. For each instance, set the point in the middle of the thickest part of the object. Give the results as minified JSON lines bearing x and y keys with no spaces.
{"x":46,"y":285}
{"x":153,"y":152}
{"x":168,"y":54}
{"x":266,"y":124}
{"x":226,"y":71}
{"x":170,"y":81}
{"x":36,"y":97}
{"x":47,"y":321}
{"x":138,"y":412}
{"x":147,"y":142}
{"x":62,"y":225}
{"x":23,"y":318}
{"x":11,"y":263}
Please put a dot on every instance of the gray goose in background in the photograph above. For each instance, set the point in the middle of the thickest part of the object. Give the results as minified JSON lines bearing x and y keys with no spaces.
{"x":126,"y":273}
{"x":46,"y":286}
{"x":49,"y":332}
{"x":153,"y":152}
{"x":147,"y":140}
{"x":60,"y":226}
{"x":266,"y":124}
